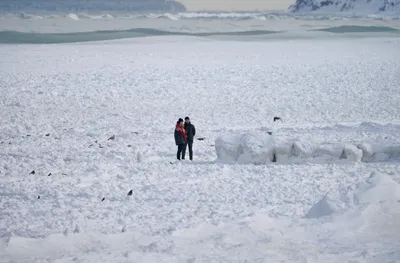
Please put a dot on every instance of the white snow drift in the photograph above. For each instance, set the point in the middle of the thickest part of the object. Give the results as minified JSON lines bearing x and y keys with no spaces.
{"x":361,"y":215}
{"x":377,"y":189}
{"x":262,"y":148}
{"x":247,"y":148}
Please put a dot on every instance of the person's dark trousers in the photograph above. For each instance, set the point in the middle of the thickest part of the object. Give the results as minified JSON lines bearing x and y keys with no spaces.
{"x":190,"y":144}
{"x":184,"y":151}
{"x":181,"y":148}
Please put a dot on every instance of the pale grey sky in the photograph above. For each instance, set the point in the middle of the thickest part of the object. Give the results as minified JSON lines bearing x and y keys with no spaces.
{"x":235,"y":5}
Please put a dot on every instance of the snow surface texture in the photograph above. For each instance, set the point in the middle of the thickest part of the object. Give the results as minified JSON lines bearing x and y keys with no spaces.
{"x":61,"y":104}
{"x":263,"y":148}
{"x":352,"y":6}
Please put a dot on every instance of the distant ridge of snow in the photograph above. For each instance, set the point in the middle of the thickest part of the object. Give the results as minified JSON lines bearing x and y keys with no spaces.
{"x":353,"y":6}
{"x":92,"y":5}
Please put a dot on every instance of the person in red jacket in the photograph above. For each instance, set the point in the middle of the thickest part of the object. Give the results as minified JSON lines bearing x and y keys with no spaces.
{"x":180,"y":139}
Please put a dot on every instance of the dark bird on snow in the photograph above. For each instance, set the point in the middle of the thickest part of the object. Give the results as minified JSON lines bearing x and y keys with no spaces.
{"x":112,"y":137}
{"x":201,"y":139}
{"x":103,"y":199}
{"x":38,"y":197}
{"x":277,"y":119}
{"x":130,"y":192}
{"x":33,"y":172}
{"x":49,"y":174}
{"x":47,"y":134}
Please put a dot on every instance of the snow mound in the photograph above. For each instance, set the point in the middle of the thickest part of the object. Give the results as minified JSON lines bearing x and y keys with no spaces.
{"x":253,"y":148}
{"x":303,"y":149}
{"x":352,"y":153}
{"x":261,"y":148}
{"x":73,"y":16}
{"x":323,"y":207}
{"x":378,"y":152}
{"x":332,"y":202}
{"x":377,"y":188}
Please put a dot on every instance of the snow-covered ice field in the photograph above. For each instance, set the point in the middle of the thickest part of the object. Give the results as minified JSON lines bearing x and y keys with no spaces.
{"x":59,"y":105}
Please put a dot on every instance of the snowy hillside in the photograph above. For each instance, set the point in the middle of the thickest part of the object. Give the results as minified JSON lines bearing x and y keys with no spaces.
{"x":351,"y":6}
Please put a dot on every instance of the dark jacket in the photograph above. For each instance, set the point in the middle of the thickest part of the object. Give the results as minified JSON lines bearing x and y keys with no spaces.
{"x":190,"y":131}
{"x":179,"y":139}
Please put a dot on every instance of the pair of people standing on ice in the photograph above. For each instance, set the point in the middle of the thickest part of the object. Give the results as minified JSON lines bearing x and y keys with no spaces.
{"x":184,"y":134}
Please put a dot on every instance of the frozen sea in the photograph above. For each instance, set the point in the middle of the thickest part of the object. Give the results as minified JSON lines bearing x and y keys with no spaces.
{"x":70,"y":81}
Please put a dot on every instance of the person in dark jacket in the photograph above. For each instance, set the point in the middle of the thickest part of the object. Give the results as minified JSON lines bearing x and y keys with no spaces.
{"x":191,"y":132}
{"x":180,"y":139}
